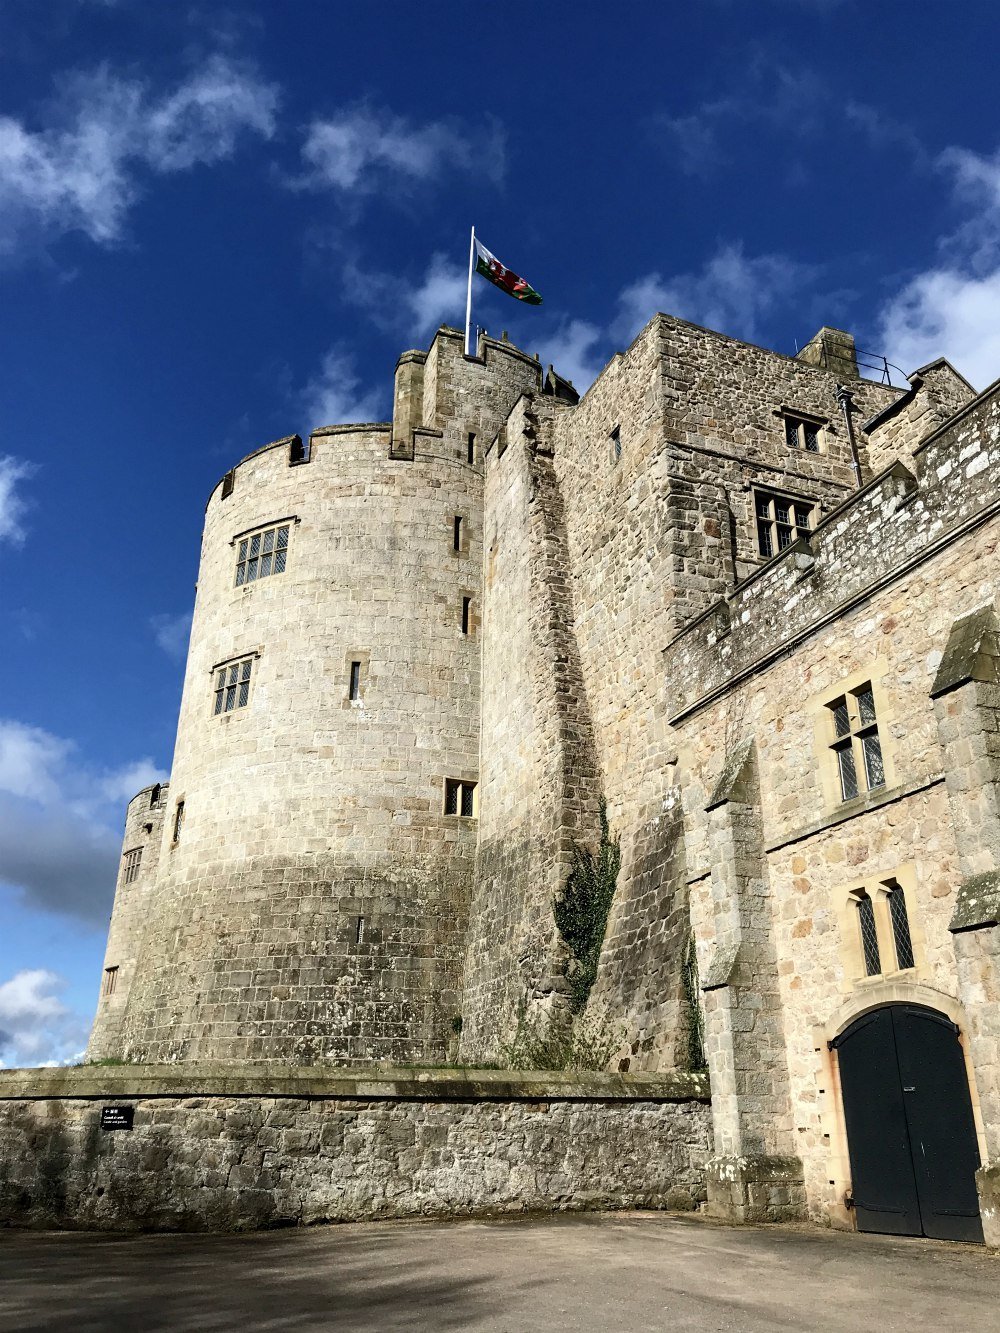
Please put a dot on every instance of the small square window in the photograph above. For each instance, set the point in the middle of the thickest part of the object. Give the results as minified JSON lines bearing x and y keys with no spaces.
{"x":459,"y":798}
{"x":802,"y":433}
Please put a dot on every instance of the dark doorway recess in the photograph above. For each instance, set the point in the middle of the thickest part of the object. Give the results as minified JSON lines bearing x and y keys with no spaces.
{"x":910,"y":1129}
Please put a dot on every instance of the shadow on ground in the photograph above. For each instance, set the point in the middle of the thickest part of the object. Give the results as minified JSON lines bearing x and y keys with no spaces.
{"x":594,"y":1272}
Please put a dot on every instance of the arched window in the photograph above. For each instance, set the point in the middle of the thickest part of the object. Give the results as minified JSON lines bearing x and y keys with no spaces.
{"x":869,"y":934}
{"x":900,"y":926}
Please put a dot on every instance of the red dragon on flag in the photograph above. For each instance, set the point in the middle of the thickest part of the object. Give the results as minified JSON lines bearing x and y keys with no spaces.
{"x":506,"y":279}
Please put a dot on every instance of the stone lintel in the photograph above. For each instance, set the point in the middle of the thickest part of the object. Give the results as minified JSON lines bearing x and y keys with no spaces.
{"x":977,"y":903}
{"x":971,"y":653}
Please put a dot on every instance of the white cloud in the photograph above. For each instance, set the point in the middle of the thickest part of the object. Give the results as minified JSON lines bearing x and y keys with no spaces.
{"x":12,"y":506}
{"x":335,"y":394}
{"x":950,"y":309}
{"x":361,"y":147}
{"x":440,"y":298}
{"x":730,"y":293}
{"x":36,"y":1026}
{"x":572,"y":350}
{"x":81,"y":173}
{"x":411,"y":309}
{"x":60,"y":820}
{"x":172,"y":633}
{"x":944,"y":312}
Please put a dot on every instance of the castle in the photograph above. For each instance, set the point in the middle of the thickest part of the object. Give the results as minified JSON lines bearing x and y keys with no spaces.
{"x":742,"y":602}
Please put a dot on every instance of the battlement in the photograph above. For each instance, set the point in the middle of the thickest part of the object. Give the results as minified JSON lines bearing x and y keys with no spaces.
{"x":900,"y":519}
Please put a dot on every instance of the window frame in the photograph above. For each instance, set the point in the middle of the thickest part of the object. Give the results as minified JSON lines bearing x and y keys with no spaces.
{"x":773,"y":499}
{"x":109,"y":983}
{"x":465,"y":792}
{"x":826,"y":766}
{"x":877,"y":890}
{"x":242,"y":543}
{"x":800,"y":424}
{"x":855,"y":742}
{"x":244,"y":665}
{"x":130,"y":866}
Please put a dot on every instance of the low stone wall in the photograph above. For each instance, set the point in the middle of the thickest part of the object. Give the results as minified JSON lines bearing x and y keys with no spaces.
{"x":239,"y":1148}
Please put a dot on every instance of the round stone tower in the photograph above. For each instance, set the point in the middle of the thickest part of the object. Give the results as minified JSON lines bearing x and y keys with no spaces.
{"x":318,"y":845}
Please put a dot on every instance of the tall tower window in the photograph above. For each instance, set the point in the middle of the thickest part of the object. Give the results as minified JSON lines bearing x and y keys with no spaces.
{"x":131,"y":862}
{"x":110,"y":981}
{"x":354,"y":687}
{"x":458,"y":532}
{"x":471,"y":447}
{"x":466,"y":614}
{"x":178,"y":821}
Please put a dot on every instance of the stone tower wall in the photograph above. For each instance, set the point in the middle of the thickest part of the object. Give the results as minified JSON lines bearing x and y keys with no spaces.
{"x":653,"y":475}
{"x":133,"y":907}
{"x":314,"y":904}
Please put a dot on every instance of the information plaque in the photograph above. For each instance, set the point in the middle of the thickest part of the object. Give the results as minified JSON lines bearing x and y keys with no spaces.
{"x":117,"y":1117}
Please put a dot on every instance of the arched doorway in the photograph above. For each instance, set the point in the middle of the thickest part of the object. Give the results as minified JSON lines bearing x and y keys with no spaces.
{"x":911,"y":1135}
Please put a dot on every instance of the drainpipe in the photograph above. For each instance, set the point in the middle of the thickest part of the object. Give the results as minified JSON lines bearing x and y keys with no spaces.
{"x":845,"y":399}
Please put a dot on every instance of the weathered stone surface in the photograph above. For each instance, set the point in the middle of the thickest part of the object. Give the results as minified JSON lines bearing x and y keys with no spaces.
{"x":212,"y":1150}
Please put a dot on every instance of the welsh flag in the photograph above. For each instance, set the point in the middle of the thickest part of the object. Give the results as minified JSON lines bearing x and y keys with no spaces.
{"x":504,"y":278}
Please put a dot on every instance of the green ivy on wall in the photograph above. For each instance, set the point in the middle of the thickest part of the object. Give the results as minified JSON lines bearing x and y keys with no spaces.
{"x":581,"y":910}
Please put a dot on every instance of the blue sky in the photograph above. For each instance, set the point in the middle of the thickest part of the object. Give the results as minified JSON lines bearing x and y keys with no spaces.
{"x":221,"y":223}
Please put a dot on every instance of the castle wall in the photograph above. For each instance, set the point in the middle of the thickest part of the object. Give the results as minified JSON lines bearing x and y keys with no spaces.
{"x":936,"y":393}
{"x":654,"y":471}
{"x":538,"y":778}
{"x":230,"y":1152}
{"x":134,"y":905}
{"x":873,"y":600}
{"x":314,"y":904}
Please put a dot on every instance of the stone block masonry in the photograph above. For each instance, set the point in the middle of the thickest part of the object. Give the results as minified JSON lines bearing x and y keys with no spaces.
{"x":227,"y":1149}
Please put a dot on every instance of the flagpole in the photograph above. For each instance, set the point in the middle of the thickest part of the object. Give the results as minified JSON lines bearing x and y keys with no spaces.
{"x":468,"y":297}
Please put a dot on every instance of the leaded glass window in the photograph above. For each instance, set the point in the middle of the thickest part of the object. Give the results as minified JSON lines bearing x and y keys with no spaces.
{"x":802,"y":433}
{"x":232,"y":685}
{"x":780,"y":521}
{"x":459,"y":798}
{"x":869,"y":934}
{"x":900,"y":927}
{"x":856,"y":742}
{"x":131,"y":862}
{"x":261,"y":554}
